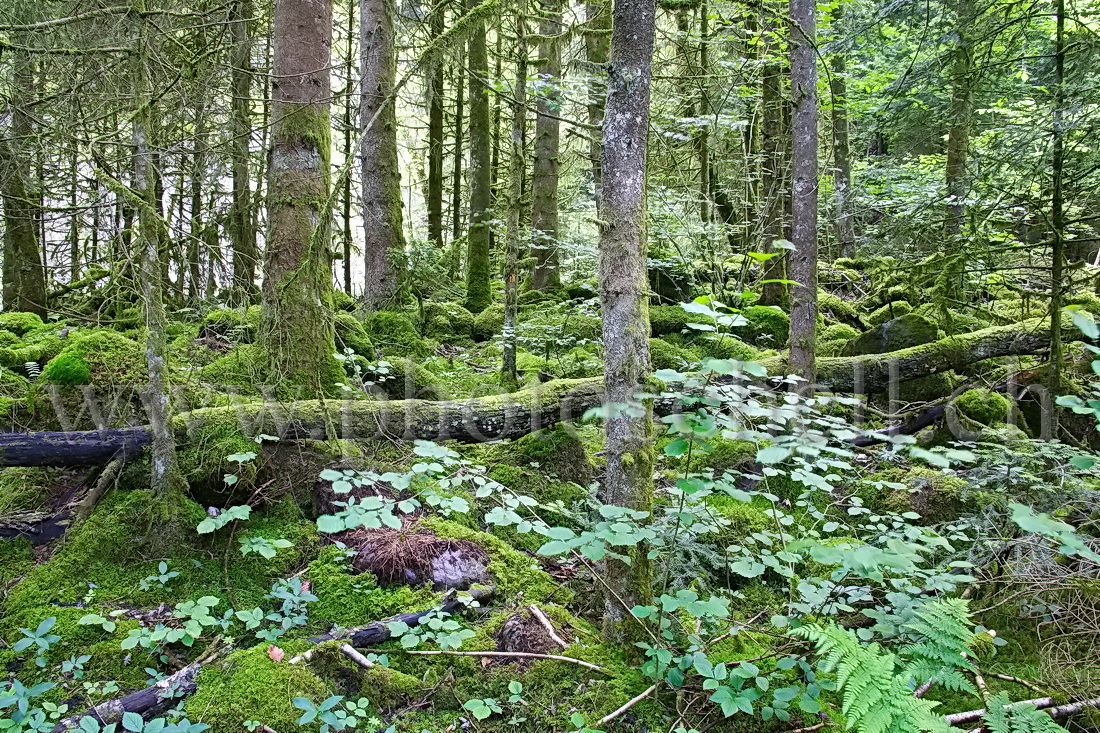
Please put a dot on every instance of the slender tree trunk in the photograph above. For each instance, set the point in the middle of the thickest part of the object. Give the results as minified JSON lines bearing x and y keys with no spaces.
{"x":456,"y":176}
{"x":383,"y":240}
{"x":803,"y":259}
{"x":958,"y":134}
{"x":544,"y":176}
{"x":702,"y":137}
{"x":166,"y":480}
{"x":241,"y":228}
{"x":435,"y":138}
{"x":842,"y":161}
{"x":597,"y":43}
{"x":516,"y":171}
{"x":198,"y":175}
{"x":624,"y":296}
{"x":24,"y":275}
{"x":349,"y":150}
{"x":74,"y":218}
{"x":1057,"y":215}
{"x":478,"y":293}
{"x":296,"y":330}
{"x":773,"y":182}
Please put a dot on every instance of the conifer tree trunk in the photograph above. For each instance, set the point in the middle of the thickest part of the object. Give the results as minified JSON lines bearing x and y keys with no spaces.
{"x":544,"y":176}
{"x":958,"y":134}
{"x":296,"y":330}
{"x":597,"y":43}
{"x":197,"y":226}
{"x":435,"y":138}
{"x":516,"y":171}
{"x":166,"y":480}
{"x":624,"y":297}
{"x":456,"y":175}
{"x":478,"y":293}
{"x":241,"y":230}
{"x":1057,"y":213}
{"x":383,"y":236}
{"x":773,"y":181}
{"x":349,"y":142}
{"x":842,"y":160}
{"x":23,"y":275}
{"x":803,"y":259}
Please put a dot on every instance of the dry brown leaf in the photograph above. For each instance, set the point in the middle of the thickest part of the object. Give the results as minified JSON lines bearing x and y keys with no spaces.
{"x":275,"y":653}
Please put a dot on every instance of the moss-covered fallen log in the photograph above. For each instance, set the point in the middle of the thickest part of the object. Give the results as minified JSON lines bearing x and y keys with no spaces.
{"x":510,"y":415}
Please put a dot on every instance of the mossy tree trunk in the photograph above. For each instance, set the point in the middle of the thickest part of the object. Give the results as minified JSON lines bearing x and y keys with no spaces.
{"x":544,"y":175}
{"x":842,"y":158}
{"x":296,"y":328}
{"x":241,"y":230}
{"x":803,"y":259}
{"x":958,"y":133}
{"x":436,"y":24}
{"x":349,"y":141}
{"x":624,"y":296}
{"x":478,"y":293}
{"x":1057,"y":213}
{"x":384,"y":240}
{"x":773,"y":173}
{"x":516,"y":173}
{"x":166,"y":480}
{"x":23,"y":275}
{"x":456,"y":173}
{"x":597,"y":45}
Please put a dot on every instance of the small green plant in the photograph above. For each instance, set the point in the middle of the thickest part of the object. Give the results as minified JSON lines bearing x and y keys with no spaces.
{"x":264,"y":547}
{"x":161,"y":579}
{"x":74,"y":665}
{"x":105,"y":623}
{"x":40,"y":638}
{"x":336,"y":717}
{"x":224,"y":517}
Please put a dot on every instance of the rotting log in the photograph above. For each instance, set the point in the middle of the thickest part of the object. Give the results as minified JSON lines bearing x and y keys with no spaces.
{"x":510,"y":415}
{"x":155,"y":700}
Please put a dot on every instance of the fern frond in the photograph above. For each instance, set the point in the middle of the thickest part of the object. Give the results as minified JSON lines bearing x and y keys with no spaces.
{"x":1004,"y":717}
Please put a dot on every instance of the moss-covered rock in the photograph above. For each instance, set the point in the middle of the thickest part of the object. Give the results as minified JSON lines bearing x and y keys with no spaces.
{"x":394,"y":333}
{"x":889,"y":312}
{"x":488,"y":323}
{"x":835,"y":308}
{"x":668,"y":319}
{"x":664,"y":355}
{"x":838,"y":331}
{"x":245,"y":366}
{"x":403,"y":378}
{"x":239,"y":325}
{"x":899,"y":333}
{"x":725,"y":347}
{"x":19,"y":323}
{"x":983,"y":405}
{"x":447,"y":319}
{"x":352,"y":334}
{"x":68,"y":368}
{"x":937,"y":497}
{"x":767,"y":326}
{"x":100,"y":357}
{"x":8,"y":339}
{"x":670,"y":280}
{"x":341,"y":301}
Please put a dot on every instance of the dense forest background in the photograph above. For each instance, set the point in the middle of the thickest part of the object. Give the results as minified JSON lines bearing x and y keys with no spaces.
{"x":518,"y":365}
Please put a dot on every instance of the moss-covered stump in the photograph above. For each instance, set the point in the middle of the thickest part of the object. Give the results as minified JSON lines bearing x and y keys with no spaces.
{"x":983,"y":406}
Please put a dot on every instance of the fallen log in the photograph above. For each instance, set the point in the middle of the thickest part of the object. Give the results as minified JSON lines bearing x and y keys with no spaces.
{"x":510,"y":415}
{"x":157,"y":699}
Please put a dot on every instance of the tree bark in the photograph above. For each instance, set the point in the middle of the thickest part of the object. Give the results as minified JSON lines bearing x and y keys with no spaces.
{"x":958,"y":134}
{"x":384,"y":239}
{"x":1057,"y":214}
{"x":296,"y":330}
{"x":624,"y":297}
{"x":842,"y":160}
{"x":544,"y":176}
{"x":803,"y":259}
{"x":773,"y":177}
{"x":436,"y":23}
{"x":478,"y":293}
{"x":349,"y":141}
{"x":24,"y":277}
{"x":597,"y":44}
{"x":516,"y":172}
{"x":456,"y":175}
{"x":241,"y":230}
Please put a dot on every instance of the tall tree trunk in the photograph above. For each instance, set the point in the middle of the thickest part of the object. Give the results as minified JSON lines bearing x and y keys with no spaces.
{"x":435,"y":137}
{"x":702,"y":136}
{"x":1057,"y":215}
{"x":241,"y":228}
{"x":74,"y":218}
{"x":544,"y":176}
{"x":773,"y":181}
{"x":803,"y":259}
{"x":166,"y":480}
{"x":198,"y":175}
{"x":24,"y":276}
{"x":349,"y":141}
{"x":958,"y":134}
{"x":383,"y":240}
{"x":516,"y":171}
{"x":624,"y":297}
{"x":597,"y":44}
{"x":456,"y":175}
{"x":478,"y":292}
{"x":296,"y":329}
{"x":842,"y":161}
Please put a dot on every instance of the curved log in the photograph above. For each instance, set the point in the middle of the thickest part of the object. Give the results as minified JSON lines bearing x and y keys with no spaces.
{"x":499,"y":416}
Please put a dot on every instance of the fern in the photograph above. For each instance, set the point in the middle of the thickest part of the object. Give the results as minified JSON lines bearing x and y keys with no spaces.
{"x":876,"y":699}
{"x":1019,"y":718}
{"x":943,"y":633}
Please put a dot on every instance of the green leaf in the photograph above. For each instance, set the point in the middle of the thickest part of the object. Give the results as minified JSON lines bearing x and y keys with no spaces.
{"x":772,"y":454}
{"x":132,"y":722}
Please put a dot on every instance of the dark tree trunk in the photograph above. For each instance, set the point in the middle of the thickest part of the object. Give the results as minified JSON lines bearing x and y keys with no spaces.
{"x":241,"y":230}
{"x":435,"y":139}
{"x":456,"y":176}
{"x":773,"y":183}
{"x":842,"y":157}
{"x":478,"y":293}
{"x":384,"y":239}
{"x":544,"y":176}
{"x":958,"y":133}
{"x":516,"y":172}
{"x":1057,"y":214}
{"x":624,"y":297}
{"x":597,"y":43}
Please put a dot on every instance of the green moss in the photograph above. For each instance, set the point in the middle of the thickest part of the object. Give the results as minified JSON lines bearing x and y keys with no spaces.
{"x":724,"y":455}
{"x":664,"y":355}
{"x":8,"y":339}
{"x":394,"y":333}
{"x":900,"y":333}
{"x":725,"y":347}
{"x":837,"y":332}
{"x":28,"y":488}
{"x":513,"y":572}
{"x":351,"y":333}
{"x":889,"y":312}
{"x":744,"y":518}
{"x":248,"y":685}
{"x":831,"y":347}
{"x":447,"y":319}
{"x":238,"y":325}
{"x":406,"y":378}
{"x":351,"y":600}
{"x":983,"y":405}
{"x":837,"y":309}
{"x":667,"y":319}
{"x":936,"y":496}
{"x":67,"y":368}
{"x":19,"y":323}
{"x":488,"y":323}
{"x":766,"y":326}
{"x":341,"y":301}
{"x":244,"y":366}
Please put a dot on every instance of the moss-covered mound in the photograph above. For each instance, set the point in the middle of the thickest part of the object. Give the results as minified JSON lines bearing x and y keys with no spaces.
{"x":488,"y":323}
{"x":100,"y":357}
{"x":900,"y":333}
{"x":394,"y":333}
